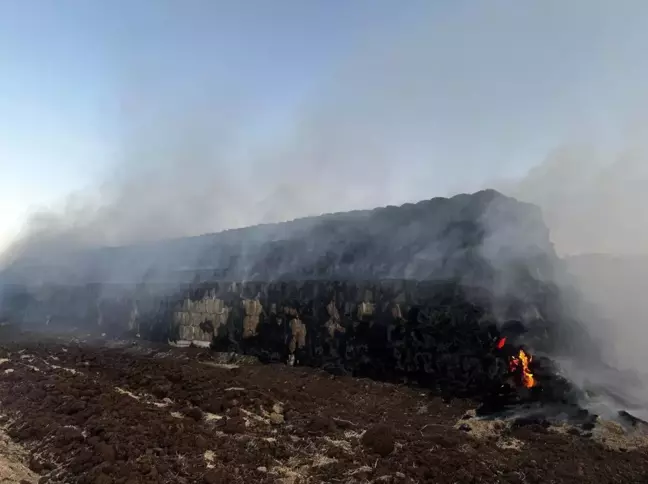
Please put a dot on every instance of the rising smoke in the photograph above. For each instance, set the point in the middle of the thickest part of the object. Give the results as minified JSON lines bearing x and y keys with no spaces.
{"x":593,"y":201}
{"x":425,"y":104}
{"x":429,"y":107}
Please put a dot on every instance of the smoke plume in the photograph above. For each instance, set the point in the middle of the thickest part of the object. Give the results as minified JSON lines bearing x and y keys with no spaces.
{"x":433,"y":103}
{"x":592,"y":199}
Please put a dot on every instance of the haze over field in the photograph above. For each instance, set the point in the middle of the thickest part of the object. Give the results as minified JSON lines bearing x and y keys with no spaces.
{"x":134,"y":121}
{"x":130,"y":122}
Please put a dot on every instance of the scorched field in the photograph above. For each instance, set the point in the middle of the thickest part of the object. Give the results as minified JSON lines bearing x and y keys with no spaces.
{"x":83,"y":412}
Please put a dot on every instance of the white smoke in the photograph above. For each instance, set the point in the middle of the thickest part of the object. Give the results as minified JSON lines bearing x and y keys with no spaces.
{"x":593,"y":200}
{"x":430,"y":104}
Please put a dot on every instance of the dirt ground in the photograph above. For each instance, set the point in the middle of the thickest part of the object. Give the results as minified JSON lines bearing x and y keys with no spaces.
{"x":13,"y":462}
{"x":77,"y":413}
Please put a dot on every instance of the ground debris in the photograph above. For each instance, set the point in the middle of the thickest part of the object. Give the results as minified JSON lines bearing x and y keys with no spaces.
{"x":269,"y":424}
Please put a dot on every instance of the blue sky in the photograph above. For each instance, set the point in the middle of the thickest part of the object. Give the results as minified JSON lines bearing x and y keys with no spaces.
{"x":434,"y":95}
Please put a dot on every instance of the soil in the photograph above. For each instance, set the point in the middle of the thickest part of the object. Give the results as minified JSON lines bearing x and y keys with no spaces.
{"x":92,"y":414}
{"x":13,"y":463}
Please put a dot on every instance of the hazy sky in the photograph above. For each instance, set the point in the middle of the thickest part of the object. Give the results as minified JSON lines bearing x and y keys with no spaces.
{"x":419,"y":98}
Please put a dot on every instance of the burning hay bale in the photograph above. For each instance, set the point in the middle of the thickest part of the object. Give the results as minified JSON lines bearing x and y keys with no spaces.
{"x":454,"y":294}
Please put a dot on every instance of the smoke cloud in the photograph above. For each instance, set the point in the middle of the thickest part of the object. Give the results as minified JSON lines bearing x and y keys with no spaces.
{"x":421,"y":104}
{"x":592,"y":199}
{"x":433,"y":105}
{"x":415,"y":105}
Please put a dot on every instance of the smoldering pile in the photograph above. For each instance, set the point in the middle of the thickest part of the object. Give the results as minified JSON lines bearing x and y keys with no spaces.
{"x":464,"y":296}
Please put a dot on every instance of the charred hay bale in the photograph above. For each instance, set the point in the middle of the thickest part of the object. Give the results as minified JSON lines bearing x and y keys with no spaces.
{"x":449,"y":345}
{"x":412,"y":293}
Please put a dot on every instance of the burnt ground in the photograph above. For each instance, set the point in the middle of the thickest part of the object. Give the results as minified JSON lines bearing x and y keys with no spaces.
{"x":130,"y":414}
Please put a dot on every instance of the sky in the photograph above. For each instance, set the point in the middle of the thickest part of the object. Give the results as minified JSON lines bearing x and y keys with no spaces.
{"x":332,"y":104}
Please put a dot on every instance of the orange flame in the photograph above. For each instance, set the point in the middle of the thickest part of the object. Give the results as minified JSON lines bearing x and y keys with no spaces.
{"x":501,"y":343}
{"x":522,"y":361}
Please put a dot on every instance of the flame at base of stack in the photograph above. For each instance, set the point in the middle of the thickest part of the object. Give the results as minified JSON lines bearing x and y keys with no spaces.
{"x":520,"y":365}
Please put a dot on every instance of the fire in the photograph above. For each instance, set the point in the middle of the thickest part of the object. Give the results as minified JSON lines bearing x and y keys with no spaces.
{"x":522,"y":362}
